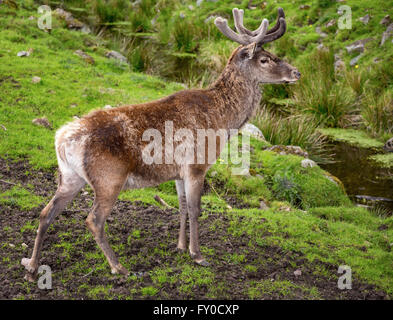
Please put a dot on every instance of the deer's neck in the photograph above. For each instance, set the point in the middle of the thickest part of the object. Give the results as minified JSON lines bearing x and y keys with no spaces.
{"x":237,"y":97}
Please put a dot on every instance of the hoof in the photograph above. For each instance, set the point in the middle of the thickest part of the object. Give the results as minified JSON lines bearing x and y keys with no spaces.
{"x":202,"y":263}
{"x":30,"y":277}
{"x":27,"y":264}
{"x":119,"y":269}
{"x":180,"y":249}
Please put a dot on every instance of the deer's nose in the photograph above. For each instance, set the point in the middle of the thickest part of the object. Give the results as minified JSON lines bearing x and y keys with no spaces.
{"x":296,"y":74}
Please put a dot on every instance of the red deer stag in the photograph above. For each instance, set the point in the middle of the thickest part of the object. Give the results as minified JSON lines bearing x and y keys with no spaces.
{"x":105,"y":147}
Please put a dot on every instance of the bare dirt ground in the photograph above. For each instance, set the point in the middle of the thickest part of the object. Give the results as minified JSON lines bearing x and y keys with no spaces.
{"x":81,"y":272}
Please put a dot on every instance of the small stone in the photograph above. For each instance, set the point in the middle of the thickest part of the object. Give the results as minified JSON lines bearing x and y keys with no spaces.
{"x":358,"y":46}
{"x":36,"y":80}
{"x":84,"y":56}
{"x":108,"y":106}
{"x":24,"y":245}
{"x":307,"y":163}
{"x":355,"y":60}
{"x":213,"y":173}
{"x":304,"y":7}
{"x":116,"y":55}
{"x":387,"y":34}
{"x":43,"y":122}
{"x":263,"y":205}
{"x":23,"y":54}
{"x":365,"y":19}
{"x":386,"y":20}
{"x":319,"y":31}
{"x":250,"y":130}
{"x":297,"y":273}
{"x":11,"y":245}
{"x":331,"y":23}
{"x":74,"y":105}
{"x":199,"y":2}
{"x":389,"y":145}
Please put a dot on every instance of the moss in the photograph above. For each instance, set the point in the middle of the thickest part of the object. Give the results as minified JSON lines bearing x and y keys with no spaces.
{"x":353,"y":137}
{"x":383,"y":160}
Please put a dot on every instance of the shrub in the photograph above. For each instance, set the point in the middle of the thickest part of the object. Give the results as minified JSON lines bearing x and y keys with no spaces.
{"x":377,"y":113}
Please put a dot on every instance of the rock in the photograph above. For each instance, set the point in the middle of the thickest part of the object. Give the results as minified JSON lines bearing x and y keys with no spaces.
{"x":339,"y":64}
{"x":24,"y":245}
{"x":358,"y":46}
{"x":199,"y":2}
{"x":84,"y":56}
{"x":387,"y":34}
{"x":307,"y":163}
{"x":304,"y":7}
{"x":108,"y":106}
{"x":263,"y":205}
{"x":36,"y":80}
{"x":11,"y":245}
{"x":43,"y":122}
{"x":25,"y":53}
{"x":86,"y":29}
{"x":74,"y":105}
{"x":331,"y":23}
{"x":72,"y":23}
{"x":389,"y":145}
{"x":252,"y":131}
{"x":319,"y":31}
{"x":213,"y":173}
{"x":297,"y":273}
{"x":365,"y":19}
{"x":334,"y":179}
{"x":285,"y":150}
{"x":386,"y":20}
{"x":355,"y":60}
{"x":116,"y":55}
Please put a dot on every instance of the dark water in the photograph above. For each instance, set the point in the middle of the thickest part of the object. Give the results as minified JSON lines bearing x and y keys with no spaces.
{"x":365,"y":183}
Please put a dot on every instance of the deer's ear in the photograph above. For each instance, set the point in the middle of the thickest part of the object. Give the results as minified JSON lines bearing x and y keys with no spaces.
{"x":248,"y":52}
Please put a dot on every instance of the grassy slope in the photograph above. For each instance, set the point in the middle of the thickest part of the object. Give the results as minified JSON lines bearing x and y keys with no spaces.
{"x":331,"y":230}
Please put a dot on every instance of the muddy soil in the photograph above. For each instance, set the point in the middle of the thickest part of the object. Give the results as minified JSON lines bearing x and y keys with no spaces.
{"x":159,"y":229}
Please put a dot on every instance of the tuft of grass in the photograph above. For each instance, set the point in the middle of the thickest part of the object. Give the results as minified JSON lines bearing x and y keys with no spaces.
{"x":296,"y":130}
{"x":18,"y":196}
{"x":377,"y":112}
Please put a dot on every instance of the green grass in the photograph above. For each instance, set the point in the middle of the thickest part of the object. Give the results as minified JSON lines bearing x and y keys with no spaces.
{"x":88,"y":86}
{"x":18,"y":196}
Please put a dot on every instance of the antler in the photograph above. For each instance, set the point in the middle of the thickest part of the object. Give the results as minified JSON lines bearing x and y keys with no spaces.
{"x":259,"y":36}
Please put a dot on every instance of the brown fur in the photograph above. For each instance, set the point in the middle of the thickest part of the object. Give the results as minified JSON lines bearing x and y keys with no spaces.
{"x":104,"y":148}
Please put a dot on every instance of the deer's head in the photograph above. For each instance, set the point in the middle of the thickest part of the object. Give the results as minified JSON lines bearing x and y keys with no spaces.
{"x":250,"y":58}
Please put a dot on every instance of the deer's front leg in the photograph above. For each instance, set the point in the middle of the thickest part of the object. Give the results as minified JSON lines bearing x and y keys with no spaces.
{"x":181,"y":193}
{"x":194,"y":188}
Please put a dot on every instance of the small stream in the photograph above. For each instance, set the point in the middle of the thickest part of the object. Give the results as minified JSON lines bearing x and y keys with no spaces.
{"x":365,"y":182}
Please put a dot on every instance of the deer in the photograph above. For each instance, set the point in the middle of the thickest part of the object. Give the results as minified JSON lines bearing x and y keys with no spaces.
{"x":104,"y":149}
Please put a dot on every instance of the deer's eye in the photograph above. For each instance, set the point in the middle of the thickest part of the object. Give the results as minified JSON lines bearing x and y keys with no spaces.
{"x":264,"y":60}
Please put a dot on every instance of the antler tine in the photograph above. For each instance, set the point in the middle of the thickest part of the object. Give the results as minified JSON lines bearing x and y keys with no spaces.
{"x":281,"y":14}
{"x":259,"y":36}
{"x":222,"y":25}
{"x":276,"y":35}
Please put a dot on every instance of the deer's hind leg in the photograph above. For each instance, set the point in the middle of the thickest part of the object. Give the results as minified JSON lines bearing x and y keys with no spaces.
{"x":106,"y":192}
{"x":70,"y":183}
